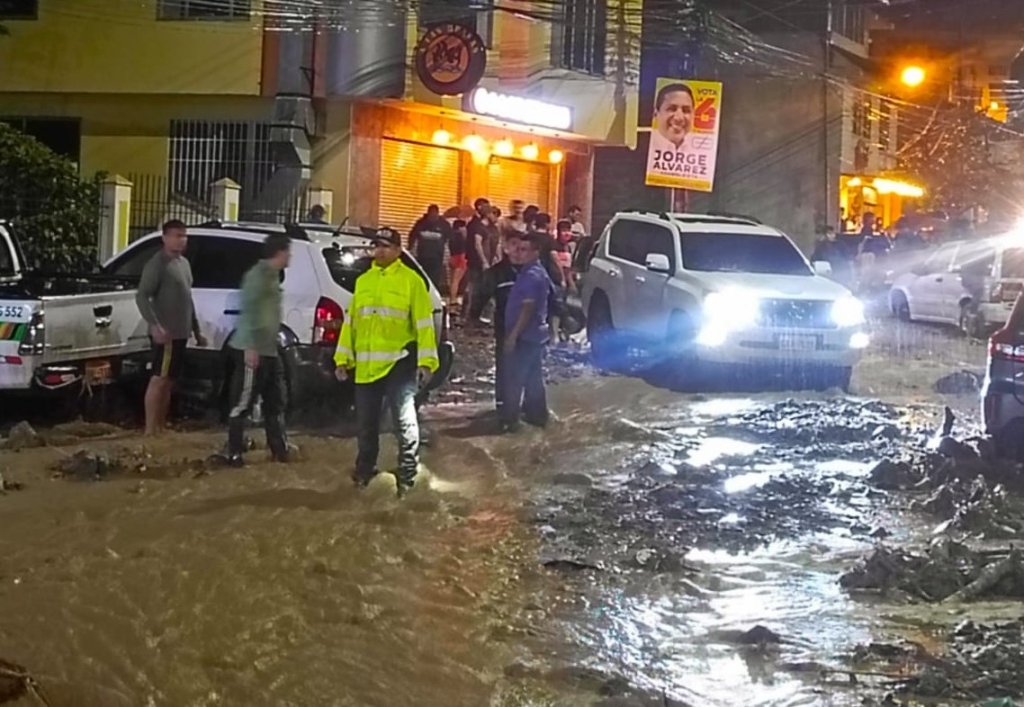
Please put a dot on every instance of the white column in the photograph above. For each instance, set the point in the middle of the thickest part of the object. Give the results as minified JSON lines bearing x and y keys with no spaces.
{"x":115,"y":216}
{"x":226,"y":196}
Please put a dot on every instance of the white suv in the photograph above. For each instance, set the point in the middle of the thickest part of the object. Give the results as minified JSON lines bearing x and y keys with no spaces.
{"x":317,"y":289}
{"x":700,"y":290}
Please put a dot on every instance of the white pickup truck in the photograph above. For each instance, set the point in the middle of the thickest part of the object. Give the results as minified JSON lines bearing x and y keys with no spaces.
{"x":59,"y":332}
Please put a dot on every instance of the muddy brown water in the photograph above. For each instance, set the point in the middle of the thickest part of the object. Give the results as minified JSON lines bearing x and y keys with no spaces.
{"x":281,"y":585}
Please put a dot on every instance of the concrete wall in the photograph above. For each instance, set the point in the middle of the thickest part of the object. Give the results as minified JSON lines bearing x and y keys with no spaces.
{"x":119,"y":46}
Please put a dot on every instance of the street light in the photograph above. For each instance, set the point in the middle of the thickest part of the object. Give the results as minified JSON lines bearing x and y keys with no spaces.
{"x":912,"y":76}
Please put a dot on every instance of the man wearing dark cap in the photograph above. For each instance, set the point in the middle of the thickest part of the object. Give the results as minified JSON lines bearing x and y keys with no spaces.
{"x":427,"y":240}
{"x":388,"y":344}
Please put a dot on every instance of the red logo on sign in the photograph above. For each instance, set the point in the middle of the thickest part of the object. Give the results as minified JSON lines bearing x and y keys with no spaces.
{"x":705,"y":114}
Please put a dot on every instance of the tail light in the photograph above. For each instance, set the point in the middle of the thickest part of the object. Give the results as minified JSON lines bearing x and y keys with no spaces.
{"x":327,"y":322}
{"x":34,"y":343}
{"x":1005,"y":346}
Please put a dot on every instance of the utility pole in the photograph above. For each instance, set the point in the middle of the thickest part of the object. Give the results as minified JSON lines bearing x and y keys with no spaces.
{"x":826,"y":67}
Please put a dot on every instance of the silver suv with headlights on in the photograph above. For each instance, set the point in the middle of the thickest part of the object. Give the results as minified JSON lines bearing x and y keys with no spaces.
{"x":704,"y":292}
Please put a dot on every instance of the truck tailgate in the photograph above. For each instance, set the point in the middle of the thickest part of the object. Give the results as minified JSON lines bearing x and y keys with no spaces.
{"x":14,"y":322}
{"x":89,"y":326}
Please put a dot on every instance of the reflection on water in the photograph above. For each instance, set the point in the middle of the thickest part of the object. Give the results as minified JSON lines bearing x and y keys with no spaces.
{"x":711,"y":449}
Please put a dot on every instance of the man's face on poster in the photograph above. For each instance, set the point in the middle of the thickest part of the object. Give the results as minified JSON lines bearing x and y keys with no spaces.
{"x":675,"y":116}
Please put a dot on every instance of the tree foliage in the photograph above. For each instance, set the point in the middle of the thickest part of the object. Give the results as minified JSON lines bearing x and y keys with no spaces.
{"x":54,"y":213}
{"x":966,"y":161}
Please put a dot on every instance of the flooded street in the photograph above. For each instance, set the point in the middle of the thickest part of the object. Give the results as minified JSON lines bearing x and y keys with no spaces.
{"x":651,"y":548}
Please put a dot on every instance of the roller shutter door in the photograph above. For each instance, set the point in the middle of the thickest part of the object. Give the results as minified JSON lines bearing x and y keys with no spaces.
{"x":517,"y":179}
{"x":414,"y":176}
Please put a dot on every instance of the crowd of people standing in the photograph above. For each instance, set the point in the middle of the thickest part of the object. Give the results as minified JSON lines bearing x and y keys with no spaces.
{"x":524,"y":264}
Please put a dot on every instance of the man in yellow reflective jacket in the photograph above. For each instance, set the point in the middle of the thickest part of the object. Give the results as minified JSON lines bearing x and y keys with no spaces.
{"x":388,"y":340}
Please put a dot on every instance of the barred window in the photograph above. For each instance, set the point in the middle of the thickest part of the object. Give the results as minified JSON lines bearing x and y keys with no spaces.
{"x":581,"y":43}
{"x":202,"y":152}
{"x":204,"y":9}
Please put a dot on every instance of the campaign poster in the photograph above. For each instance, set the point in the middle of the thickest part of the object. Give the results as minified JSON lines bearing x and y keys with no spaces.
{"x":684,"y":134}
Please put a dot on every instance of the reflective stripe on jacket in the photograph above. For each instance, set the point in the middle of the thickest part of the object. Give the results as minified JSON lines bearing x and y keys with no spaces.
{"x":390,"y":310}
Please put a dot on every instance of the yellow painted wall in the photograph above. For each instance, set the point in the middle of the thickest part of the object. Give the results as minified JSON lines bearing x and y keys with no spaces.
{"x":124,"y":134}
{"x":332,"y":156}
{"x":119,"y":46}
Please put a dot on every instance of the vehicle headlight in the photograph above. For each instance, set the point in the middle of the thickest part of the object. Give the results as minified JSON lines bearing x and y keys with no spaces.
{"x":731,"y":309}
{"x":848,"y":311}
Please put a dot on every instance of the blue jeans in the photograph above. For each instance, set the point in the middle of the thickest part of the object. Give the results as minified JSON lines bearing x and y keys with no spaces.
{"x":398,"y":388}
{"x":524,"y":397}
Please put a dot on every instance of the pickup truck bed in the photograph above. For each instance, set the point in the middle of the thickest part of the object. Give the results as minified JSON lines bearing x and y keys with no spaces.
{"x":56,"y":331}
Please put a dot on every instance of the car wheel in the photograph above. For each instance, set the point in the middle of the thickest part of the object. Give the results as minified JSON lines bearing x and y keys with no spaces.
{"x":601,"y":333}
{"x":901,"y":307}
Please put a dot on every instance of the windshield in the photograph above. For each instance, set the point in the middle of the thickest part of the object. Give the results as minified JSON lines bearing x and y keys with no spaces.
{"x":1013,"y":264}
{"x":742,"y":252}
{"x":347,"y":264}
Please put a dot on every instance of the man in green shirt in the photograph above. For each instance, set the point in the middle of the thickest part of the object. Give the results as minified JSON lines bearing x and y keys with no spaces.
{"x":164,"y":299}
{"x":258,"y":372}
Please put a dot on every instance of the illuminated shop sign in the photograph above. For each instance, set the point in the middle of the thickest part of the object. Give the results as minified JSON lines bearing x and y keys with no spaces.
{"x":528,"y":111}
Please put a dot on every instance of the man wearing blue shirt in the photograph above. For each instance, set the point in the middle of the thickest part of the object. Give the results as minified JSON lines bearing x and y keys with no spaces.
{"x":526,"y":335}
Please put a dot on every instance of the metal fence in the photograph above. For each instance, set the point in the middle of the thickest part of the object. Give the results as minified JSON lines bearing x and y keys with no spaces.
{"x":155,"y":200}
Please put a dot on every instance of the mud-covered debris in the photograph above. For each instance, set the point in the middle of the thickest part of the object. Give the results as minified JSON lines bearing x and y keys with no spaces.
{"x":760,"y":636}
{"x":570,"y":565}
{"x":84,"y":465}
{"x":890,"y":475}
{"x":979,"y":510}
{"x":17,"y":683}
{"x":572,"y":478}
{"x":87,"y":430}
{"x":6,"y":485}
{"x":23,"y":436}
{"x":959,"y":383}
{"x":948,"y":570}
{"x":661,"y":561}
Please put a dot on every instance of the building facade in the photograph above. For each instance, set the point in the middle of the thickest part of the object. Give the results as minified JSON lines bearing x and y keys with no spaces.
{"x":181,"y":93}
{"x":804,"y":123}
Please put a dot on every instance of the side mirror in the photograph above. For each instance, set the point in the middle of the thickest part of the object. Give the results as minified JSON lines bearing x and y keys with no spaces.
{"x":657,"y":262}
{"x":823,"y":268}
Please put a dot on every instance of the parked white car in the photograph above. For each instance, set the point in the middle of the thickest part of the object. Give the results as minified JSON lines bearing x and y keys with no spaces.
{"x":969,"y":284}
{"x":703,"y":291}
{"x":317,"y":290}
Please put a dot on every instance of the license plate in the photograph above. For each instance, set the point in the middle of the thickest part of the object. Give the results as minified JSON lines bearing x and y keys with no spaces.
{"x":798,"y":342}
{"x":14,"y":313}
{"x":98,"y":372}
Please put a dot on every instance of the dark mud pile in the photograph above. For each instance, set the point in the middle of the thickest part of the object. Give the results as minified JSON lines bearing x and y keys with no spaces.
{"x":767,"y":478}
{"x":974,"y":503}
{"x":971,"y":496}
{"x":980,"y":662}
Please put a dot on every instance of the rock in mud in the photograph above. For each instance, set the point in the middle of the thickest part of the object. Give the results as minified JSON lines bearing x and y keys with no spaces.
{"x":571,"y":478}
{"x":7,"y":485}
{"x":893,"y":476}
{"x":759,"y":636}
{"x":959,"y":383}
{"x":23,"y":436}
{"x":948,"y":570}
{"x":16,"y":683}
{"x":86,"y":466}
